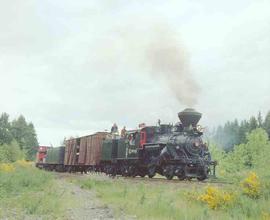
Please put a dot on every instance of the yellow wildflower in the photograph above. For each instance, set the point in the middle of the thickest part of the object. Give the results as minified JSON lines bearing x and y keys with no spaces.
{"x":265,"y":215}
{"x":23,"y":163}
{"x":215,"y":198}
{"x":251,"y":185}
{"x":7,"y":167}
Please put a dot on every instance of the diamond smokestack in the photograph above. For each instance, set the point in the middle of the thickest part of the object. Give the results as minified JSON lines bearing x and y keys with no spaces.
{"x":189,"y":117}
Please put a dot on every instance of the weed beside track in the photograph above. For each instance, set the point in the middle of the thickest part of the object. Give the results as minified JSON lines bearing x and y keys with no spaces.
{"x":158,"y":198}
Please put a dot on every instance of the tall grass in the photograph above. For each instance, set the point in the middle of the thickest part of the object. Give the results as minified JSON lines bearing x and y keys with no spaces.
{"x":144,"y":202}
{"x":26,"y":191}
{"x":169,"y":201}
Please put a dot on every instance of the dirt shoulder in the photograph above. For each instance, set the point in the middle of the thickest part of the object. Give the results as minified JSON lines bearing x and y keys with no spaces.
{"x":127,"y":198}
{"x":82,"y":204}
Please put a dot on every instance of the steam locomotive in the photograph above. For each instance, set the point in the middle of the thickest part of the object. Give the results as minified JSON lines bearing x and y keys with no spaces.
{"x":165,"y":149}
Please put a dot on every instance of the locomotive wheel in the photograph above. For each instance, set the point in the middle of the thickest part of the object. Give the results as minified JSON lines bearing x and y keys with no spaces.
{"x":142,"y":173}
{"x":169,"y":177}
{"x":201,"y":178}
{"x":151,"y":171}
{"x":168,"y":172}
{"x":124,"y":171}
{"x":133,"y":171}
{"x":203,"y":174}
{"x":181,"y":176}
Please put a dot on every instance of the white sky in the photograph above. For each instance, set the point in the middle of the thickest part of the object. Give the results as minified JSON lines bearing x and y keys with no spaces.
{"x":75,"y":67}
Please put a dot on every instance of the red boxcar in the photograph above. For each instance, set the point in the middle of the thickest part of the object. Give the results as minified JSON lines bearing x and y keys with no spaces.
{"x":41,"y":154}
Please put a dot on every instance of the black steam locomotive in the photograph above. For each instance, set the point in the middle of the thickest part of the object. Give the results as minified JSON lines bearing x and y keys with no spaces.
{"x":164,"y":149}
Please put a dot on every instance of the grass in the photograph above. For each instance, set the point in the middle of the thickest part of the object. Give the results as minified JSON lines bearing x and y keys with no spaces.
{"x":173,"y":201}
{"x":28,"y":192}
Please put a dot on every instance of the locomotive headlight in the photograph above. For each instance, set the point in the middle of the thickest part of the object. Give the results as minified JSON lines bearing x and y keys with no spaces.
{"x":196,"y":144}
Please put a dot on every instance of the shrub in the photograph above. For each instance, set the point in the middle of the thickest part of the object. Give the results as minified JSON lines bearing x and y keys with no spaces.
{"x":265,"y":215}
{"x":10,"y":152}
{"x":215,"y":198}
{"x":7,"y":167}
{"x":23,"y":163}
{"x":251,"y":185}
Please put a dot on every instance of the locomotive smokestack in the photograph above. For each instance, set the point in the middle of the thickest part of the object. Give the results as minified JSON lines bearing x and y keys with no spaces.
{"x":189,"y":117}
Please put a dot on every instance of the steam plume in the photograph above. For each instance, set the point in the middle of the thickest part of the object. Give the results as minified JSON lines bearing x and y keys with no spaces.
{"x":169,"y":60}
{"x":157,"y":49}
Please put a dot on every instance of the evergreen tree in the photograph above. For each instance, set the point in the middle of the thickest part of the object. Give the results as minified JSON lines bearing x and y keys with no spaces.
{"x":218,"y":137}
{"x":243,"y":130}
{"x":5,"y":129}
{"x":266,"y":124}
{"x":260,"y":119}
{"x":31,"y":141}
{"x":253,"y":124}
{"x":233,"y":133}
{"x":25,"y":135}
{"x":19,"y":129}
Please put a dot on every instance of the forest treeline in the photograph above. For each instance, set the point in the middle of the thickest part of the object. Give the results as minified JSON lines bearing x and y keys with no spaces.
{"x":235,"y":132}
{"x":18,"y":139}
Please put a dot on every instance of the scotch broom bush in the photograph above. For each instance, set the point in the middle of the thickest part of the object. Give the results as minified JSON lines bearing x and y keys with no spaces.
{"x":215,"y":198}
{"x":251,"y":185}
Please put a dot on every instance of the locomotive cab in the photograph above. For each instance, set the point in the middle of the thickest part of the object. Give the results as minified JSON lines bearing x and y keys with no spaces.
{"x":147,"y":135}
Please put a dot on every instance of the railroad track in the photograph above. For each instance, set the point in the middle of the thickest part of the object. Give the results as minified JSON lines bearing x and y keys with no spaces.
{"x":162,"y":179}
{"x":137,"y":179}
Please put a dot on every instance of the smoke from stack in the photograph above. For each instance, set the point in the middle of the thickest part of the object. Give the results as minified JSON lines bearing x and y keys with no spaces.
{"x":169,"y":60}
{"x":151,"y":48}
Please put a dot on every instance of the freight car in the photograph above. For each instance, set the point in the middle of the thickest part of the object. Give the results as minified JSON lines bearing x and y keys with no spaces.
{"x":80,"y":154}
{"x":165,"y":149}
{"x":84,"y":153}
{"x":41,"y":154}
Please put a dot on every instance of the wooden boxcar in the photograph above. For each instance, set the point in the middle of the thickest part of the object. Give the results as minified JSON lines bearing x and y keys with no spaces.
{"x":84,"y":153}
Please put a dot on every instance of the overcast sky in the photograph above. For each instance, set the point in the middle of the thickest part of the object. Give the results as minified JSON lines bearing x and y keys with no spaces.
{"x":75,"y":67}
